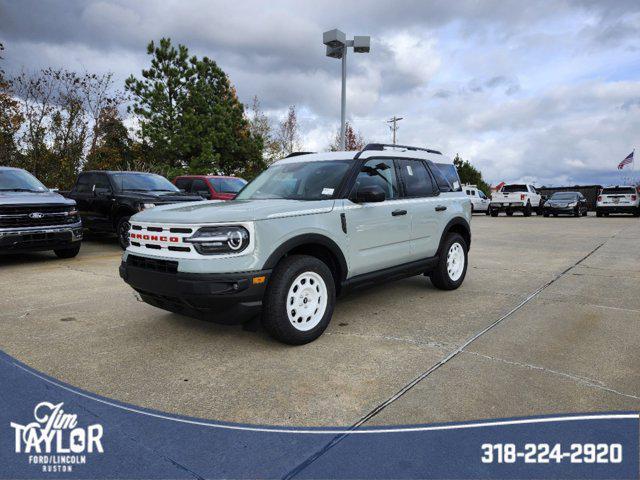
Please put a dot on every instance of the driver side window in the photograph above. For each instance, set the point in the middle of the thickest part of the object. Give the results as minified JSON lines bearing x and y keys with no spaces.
{"x":381,"y":173}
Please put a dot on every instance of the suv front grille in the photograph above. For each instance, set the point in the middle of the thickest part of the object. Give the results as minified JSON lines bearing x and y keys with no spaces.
{"x":164,"y":266}
{"x":16,"y":216}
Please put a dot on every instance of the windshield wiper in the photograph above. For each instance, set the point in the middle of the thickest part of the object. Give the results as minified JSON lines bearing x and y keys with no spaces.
{"x":20,"y":190}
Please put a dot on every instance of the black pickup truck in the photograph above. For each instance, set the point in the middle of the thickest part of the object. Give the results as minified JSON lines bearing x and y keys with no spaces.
{"x":33,"y":218}
{"x":107,"y":199}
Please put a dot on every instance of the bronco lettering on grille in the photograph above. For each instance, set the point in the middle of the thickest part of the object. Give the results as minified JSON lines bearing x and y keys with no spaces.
{"x":154,"y":238}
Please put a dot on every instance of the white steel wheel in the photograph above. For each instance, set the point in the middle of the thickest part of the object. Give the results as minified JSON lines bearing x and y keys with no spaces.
{"x":306,"y":301}
{"x":455,"y":261}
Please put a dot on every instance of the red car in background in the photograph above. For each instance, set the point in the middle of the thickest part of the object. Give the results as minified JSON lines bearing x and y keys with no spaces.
{"x":210,"y":187}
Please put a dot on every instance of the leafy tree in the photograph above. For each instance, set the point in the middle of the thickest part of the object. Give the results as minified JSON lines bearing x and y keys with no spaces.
{"x":287,"y":137}
{"x":112,"y":146}
{"x":10,"y":121}
{"x":190,"y":115}
{"x":353,"y":140}
{"x":469,"y":174}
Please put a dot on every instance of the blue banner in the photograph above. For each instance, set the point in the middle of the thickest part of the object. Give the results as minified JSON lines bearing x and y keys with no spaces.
{"x":52,"y":430}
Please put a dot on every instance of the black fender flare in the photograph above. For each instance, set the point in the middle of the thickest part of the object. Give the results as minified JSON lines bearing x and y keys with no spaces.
{"x":455,"y":222}
{"x":307,"y":239}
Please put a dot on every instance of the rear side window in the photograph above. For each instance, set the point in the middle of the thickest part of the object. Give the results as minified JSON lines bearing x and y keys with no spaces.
{"x":184,"y":184}
{"x":451,"y":174}
{"x":441,"y":181}
{"x":416,"y":179}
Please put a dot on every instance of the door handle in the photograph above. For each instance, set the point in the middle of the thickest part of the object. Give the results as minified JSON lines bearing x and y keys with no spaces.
{"x":397,"y":213}
{"x":440,"y":208}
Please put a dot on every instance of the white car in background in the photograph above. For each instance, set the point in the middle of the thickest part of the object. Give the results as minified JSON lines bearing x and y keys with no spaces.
{"x":618,"y":199}
{"x":479,"y":201}
{"x":515,"y":197}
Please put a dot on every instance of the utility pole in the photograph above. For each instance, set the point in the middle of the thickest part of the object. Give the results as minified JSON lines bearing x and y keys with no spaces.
{"x":394,"y":128}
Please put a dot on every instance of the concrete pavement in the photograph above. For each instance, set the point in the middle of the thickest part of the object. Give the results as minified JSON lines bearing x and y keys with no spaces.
{"x":547,"y":321}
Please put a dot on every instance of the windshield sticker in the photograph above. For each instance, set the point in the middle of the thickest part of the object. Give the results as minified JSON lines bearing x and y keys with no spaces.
{"x":410,"y":170}
{"x":327,"y":191}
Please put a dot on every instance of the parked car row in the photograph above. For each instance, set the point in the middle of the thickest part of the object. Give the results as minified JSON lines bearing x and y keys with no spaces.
{"x":526,"y":199}
{"x":34,"y":218}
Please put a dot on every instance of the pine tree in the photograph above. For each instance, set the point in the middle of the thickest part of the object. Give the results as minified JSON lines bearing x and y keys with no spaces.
{"x":191,"y":117}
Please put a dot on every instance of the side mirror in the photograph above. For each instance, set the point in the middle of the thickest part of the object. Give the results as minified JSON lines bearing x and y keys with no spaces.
{"x":101,"y":192}
{"x":370,"y":194}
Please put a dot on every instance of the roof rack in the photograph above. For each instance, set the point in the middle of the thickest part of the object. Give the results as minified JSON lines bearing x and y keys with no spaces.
{"x":381,"y":146}
{"x":295,"y":154}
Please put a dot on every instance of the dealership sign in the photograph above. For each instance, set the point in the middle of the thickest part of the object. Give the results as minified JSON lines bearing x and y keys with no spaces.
{"x":54,"y":440}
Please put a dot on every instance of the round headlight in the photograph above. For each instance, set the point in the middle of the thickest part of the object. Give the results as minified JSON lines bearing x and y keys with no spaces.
{"x":220,"y":240}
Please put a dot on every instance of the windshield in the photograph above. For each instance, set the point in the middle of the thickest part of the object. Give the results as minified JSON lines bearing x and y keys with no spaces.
{"x":617,"y":190}
{"x":317,"y":180}
{"x":514,"y":188}
{"x":228,"y":185}
{"x":143,"y":182}
{"x":20,"y":181}
{"x":564,"y":196}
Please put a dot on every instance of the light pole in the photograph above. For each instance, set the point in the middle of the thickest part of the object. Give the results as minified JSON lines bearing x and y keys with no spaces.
{"x":337,"y":45}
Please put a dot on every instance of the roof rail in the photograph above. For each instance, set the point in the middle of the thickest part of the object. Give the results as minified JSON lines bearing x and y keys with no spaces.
{"x":381,"y":146}
{"x":295,"y":154}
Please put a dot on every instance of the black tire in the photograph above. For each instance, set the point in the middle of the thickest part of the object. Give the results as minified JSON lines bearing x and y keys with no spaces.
{"x":555,"y":214}
{"x":122,"y":230}
{"x":440,"y":275}
{"x":546,"y":214}
{"x":637,"y":212}
{"x":598,"y":214}
{"x":577,"y":212}
{"x":494,"y":212}
{"x":275,"y":318}
{"x":487,"y":211}
{"x":585,"y":213}
{"x":509,"y":213}
{"x":527,"y":210}
{"x":68,"y":252}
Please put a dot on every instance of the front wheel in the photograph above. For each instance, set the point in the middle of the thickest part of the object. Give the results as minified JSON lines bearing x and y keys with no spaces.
{"x":452,"y":264}
{"x":527,"y":210}
{"x":299,"y":300}
{"x":122,"y":229}
{"x":494,"y":212}
{"x":70,"y":252}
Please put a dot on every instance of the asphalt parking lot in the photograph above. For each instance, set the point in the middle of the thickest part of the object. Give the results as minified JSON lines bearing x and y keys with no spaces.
{"x":547,"y":321}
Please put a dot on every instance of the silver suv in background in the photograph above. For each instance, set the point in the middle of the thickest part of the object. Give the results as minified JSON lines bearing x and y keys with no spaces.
{"x":309,"y":228}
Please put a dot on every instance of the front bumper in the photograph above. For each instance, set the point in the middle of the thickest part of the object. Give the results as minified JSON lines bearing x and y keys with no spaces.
{"x":559,"y":210}
{"x":39,"y":238}
{"x":228,"y":298}
{"x":617,"y":209}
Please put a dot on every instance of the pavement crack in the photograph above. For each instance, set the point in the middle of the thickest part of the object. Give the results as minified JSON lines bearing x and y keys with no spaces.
{"x":422,"y":343}
{"x":338,"y":438}
{"x":589,"y":382}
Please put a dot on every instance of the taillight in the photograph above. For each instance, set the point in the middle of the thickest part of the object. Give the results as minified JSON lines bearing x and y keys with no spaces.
{"x":599,"y":198}
{"x":522,"y":196}
{"x":633,"y":198}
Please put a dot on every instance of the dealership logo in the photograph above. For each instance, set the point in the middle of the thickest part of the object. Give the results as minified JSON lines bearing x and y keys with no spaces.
{"x":36,"y":215}
{"x":55,"y":441}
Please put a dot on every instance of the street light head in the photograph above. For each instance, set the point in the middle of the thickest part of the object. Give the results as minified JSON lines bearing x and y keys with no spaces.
{"x":335,"y":52}
{"x":334,"y":38}
{"x":362,"y":44}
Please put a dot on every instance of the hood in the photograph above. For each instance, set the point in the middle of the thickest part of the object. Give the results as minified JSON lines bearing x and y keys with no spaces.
{"x":233,"y":211}
{"x":31,"y":198}
{"x":162,"y":197}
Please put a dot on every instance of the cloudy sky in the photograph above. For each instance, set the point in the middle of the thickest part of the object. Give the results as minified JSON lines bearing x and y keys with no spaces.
{"x":525,"y":90}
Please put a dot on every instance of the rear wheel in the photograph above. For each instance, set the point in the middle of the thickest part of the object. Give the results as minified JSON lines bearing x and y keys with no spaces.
{"x":494,"y":212}
{"x":527,"y":210}
{"x":68,"y":252}
{"x":452,"y":263}
{"x":546,"y":214}
{"x":122,"y":229}
{"x":299,"y":300}
{"x":598,"y":214}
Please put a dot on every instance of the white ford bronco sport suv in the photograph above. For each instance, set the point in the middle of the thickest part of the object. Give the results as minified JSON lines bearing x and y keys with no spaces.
{"x":516,"y":198}
{"x":309,"y":228}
